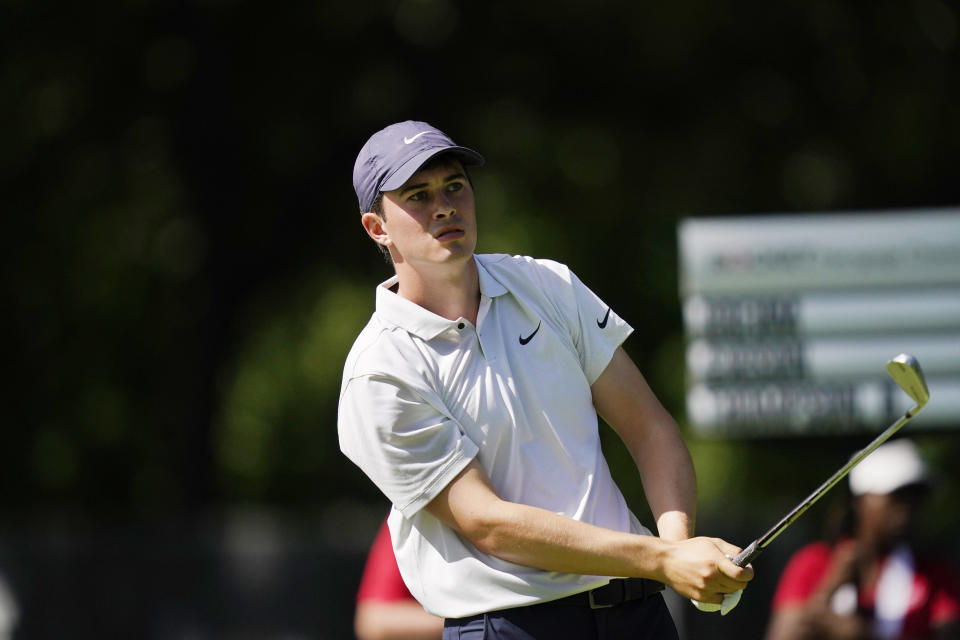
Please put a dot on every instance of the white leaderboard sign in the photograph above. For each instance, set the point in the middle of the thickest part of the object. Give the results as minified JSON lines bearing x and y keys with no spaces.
{"x":790,"y":319}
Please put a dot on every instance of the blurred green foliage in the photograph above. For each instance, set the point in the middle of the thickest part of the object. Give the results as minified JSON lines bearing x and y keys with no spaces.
{"x":184,"y":270}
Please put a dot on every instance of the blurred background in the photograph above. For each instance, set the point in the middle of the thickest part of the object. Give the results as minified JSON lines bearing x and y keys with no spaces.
{"x":184,"y":272}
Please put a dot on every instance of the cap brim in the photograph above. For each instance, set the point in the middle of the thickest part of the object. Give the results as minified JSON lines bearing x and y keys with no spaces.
{"x":467,"y":156}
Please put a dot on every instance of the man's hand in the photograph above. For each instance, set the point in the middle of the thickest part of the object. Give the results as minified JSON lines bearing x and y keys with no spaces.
{"x":701,"y":569}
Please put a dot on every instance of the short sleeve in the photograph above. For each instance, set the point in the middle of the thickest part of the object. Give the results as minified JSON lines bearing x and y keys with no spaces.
{"x":599,"y":331}
{"x":406,"y":446}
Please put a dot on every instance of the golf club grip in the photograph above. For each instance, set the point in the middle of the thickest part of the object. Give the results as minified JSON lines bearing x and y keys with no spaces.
{"x":747,"y":556}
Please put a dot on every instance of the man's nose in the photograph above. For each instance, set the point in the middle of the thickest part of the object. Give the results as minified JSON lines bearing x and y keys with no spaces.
{"x":444,"y":208}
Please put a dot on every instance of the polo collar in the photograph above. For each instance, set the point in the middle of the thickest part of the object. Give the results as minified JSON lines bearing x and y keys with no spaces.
{"x":489,"y":286}
{"x":422,"y":323}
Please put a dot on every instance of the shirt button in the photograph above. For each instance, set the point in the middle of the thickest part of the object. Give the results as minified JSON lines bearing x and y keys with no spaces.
{"x":461,"y":326}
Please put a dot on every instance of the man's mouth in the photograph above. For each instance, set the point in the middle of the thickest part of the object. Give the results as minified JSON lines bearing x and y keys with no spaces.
{"x":449,"y":233}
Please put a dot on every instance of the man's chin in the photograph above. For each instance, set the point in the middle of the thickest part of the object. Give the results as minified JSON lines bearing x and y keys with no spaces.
{"x":460,"y":248}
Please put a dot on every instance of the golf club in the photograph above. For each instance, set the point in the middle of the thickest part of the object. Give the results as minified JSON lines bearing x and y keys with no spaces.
{"x":906,"y":372}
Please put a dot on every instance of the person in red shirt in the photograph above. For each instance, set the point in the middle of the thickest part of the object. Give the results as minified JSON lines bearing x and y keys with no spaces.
{"x":385,"y":609}
{"x":873,"y":584}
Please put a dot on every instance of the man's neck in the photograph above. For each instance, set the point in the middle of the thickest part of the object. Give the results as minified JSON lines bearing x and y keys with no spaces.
{"x":450,"y":293}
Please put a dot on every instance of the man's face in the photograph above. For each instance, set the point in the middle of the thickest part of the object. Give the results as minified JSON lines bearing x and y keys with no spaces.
{"x":432,"y":219}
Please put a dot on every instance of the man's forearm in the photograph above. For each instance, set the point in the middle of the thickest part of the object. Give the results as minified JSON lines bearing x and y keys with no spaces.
{"x":669,"y":482}
{"x":538,"y":538}
{"x":623,"y":398}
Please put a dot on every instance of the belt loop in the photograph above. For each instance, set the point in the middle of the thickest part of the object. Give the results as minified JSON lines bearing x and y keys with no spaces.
{"x":593,"y":602}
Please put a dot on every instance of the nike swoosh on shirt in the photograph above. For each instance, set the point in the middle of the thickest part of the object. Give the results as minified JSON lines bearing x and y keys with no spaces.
{"x":407,"y":140}
{"x":603,"y":325}
{"x":530,"y":337}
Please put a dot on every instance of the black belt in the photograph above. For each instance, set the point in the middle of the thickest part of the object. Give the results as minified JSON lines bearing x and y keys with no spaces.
{"x":615,"y":592}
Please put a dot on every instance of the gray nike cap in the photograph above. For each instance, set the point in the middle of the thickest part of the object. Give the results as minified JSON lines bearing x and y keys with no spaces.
{"x":393,"y":154}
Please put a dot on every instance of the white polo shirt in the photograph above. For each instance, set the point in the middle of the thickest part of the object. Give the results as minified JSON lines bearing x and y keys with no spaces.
{"x":423,"y":395}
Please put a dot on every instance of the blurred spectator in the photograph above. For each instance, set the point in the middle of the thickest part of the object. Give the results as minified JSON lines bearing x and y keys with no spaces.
{"x":385,"y":608}
{"x":872,"y":583}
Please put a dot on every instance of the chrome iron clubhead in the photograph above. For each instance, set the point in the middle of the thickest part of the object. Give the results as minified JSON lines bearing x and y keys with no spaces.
{"x":906,"y":372}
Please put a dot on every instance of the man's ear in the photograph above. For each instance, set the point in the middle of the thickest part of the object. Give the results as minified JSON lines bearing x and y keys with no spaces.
{"x":373,"y":224}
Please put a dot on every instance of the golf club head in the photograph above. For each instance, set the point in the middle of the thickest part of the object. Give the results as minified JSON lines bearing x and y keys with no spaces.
{"x":906,"y":372}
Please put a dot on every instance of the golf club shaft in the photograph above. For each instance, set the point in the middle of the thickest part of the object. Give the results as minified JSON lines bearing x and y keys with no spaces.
{"x":756,"y":547}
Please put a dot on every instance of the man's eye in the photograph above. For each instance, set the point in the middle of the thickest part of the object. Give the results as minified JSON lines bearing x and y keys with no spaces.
{"x":419,"y":195}
{"x":455,"y":186}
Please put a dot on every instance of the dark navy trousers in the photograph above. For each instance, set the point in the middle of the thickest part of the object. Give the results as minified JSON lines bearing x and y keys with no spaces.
{"x":646,"y":619}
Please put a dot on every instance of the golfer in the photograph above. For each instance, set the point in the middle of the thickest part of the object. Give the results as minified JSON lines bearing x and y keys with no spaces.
{"x":471,"y":400}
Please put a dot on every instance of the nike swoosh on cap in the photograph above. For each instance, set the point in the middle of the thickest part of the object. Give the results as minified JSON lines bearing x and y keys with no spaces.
{"x":407,"y":140}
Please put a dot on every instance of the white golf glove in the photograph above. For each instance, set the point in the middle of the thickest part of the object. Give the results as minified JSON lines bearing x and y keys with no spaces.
{"x":730,"y":600}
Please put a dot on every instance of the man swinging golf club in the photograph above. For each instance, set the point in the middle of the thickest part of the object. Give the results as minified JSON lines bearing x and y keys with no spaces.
{"x":471,"y":400}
